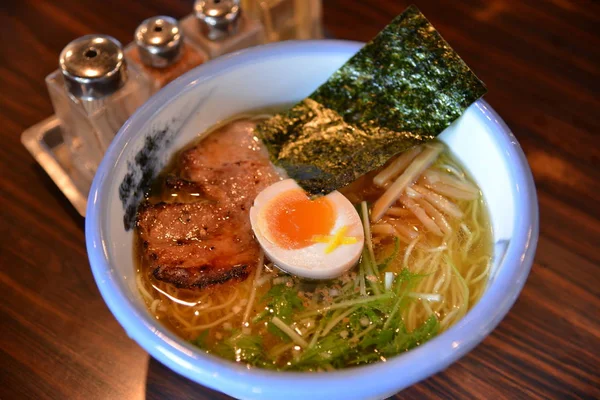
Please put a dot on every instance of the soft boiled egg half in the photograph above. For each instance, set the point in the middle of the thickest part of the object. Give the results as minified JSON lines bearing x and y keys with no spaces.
{"x":319,"y":239}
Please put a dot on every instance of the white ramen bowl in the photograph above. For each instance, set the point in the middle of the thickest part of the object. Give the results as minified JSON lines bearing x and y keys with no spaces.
{"x":273,"y":75}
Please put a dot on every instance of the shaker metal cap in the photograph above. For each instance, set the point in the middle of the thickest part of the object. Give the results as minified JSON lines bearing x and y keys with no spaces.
{"x":218,"y":19}
{"x":159,"y":41}
{"x":93,"y":66}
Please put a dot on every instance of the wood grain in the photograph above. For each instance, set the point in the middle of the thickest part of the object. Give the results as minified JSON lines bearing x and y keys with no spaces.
{"x":540,"y":61}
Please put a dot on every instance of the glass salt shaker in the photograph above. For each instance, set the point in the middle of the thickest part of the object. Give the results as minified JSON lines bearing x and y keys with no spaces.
{"x":93,"y":93}
{"x":220,"y":27}
{"x":290,"y":19}
{"x":162,"y":52}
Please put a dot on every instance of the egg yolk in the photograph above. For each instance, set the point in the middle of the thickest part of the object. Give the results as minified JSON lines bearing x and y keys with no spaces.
{"x":293,"y":220}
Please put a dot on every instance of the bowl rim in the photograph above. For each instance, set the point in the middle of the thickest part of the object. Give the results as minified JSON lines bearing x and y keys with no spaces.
{"x":235,"y":379}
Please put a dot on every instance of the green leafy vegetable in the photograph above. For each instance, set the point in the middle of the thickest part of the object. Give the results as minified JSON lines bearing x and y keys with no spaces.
{"x":376,"y":325}
{"x":283,"y":300}
{"x":332,"y":349}
{"x":369,"y":323}
{"x":200,"y":341}
{"x":243,"y":348}
{"x":274,"y":330}
{"x":359,"y":342}
{"x":401,"y":89}
{"x":406,"y":280}
{"x":389,"y":259}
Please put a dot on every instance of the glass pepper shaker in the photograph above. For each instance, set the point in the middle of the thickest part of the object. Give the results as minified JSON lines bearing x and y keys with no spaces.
{"x":220,"y":27}
{"x":93,"y":93}
{"x":162,"y":52}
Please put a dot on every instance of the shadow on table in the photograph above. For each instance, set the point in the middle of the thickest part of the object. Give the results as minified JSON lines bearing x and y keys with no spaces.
{"x":51,"y":187}
{"x":162,"y":383}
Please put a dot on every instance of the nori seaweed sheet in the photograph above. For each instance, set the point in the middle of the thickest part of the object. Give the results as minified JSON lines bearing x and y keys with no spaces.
{"x":401,"y":89}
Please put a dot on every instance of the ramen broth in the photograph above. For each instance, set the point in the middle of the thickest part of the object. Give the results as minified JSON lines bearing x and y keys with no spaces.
{"x":430,"y":261}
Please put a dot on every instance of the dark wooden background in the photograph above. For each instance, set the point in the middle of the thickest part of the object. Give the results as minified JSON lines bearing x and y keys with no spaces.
{"x":540,"y":61}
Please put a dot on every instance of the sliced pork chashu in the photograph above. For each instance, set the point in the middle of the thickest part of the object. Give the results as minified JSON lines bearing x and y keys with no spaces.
{"x":207,"y":239}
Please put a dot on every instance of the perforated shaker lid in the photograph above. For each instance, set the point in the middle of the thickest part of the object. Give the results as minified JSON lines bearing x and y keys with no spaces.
{"x":159,"y":41}
{"x":218,"y":19}
{"x":93,"y":66}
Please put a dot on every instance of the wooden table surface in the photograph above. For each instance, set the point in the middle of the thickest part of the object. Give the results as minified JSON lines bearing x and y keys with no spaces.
{"x":540,"y":61}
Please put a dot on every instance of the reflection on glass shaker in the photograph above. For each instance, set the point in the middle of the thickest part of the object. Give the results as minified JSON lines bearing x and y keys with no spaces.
{"x":162,"y":52}
{"x":220,"y":27}
{"x":287,"y":19}
{"x":93,"y":94}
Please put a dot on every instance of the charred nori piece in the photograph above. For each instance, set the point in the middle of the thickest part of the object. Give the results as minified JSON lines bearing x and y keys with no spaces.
{"x":401,"y":89}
